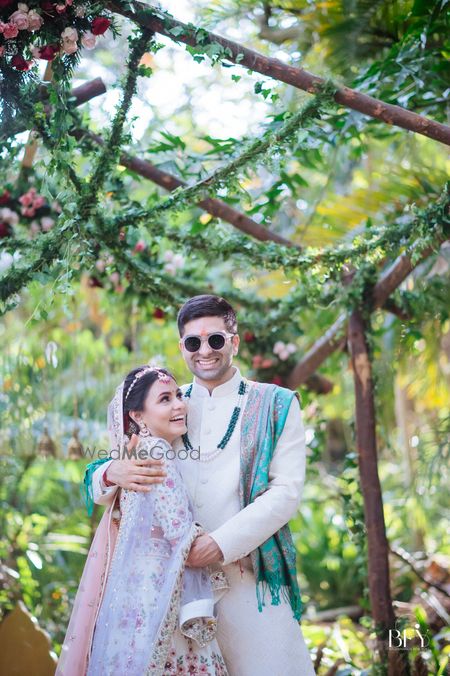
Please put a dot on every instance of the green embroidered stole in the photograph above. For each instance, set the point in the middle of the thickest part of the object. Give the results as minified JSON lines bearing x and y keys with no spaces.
{"x":274,"y":561}
{"x":86,"y":489}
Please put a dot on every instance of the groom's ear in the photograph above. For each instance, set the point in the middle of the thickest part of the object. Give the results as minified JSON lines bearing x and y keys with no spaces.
{"x":236,"y":341}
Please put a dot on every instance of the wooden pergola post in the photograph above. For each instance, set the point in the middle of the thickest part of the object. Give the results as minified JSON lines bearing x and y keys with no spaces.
{"x":377,"y":543}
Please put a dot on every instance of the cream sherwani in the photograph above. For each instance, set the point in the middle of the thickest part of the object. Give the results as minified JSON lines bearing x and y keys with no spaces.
{"x":253,"y":643}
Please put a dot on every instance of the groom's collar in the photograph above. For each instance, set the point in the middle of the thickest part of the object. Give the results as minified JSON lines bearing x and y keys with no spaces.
{"x":224,"y":390}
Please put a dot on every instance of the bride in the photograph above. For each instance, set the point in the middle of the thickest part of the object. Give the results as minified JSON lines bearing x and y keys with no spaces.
{"x":139,"y":610}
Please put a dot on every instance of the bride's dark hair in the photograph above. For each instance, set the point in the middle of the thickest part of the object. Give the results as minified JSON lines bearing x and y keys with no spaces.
{"x":135,"y":399}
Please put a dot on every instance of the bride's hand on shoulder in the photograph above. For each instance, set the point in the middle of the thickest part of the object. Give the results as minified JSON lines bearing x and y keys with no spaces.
{"x":138,"y":473}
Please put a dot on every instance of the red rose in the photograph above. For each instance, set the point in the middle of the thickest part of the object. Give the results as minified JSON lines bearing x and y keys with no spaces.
{"x":47,"y":6}
{"x":158,"y":313}
{"x":95,"y":282}
{"x":5,"y":3}
{"x":48,"y":52}
{"x":5,"y":230}
{"x":19,"y":63}
{"x":4,"y":199}
{"x":249,"y":337}
{"x":277,"y":380}
{"x":100,"y":25}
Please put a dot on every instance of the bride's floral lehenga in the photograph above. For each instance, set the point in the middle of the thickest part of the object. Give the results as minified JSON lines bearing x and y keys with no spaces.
{"x":139,"y":610}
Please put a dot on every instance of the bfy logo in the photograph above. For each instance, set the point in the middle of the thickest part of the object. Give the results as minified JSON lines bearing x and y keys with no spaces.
{"x":400,"y":639}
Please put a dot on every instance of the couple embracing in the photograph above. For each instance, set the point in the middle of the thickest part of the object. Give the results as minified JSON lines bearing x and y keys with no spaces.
{"x":192,"y":569}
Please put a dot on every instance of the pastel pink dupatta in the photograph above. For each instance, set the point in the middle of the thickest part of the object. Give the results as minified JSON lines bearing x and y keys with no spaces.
{"x":77,"y":643}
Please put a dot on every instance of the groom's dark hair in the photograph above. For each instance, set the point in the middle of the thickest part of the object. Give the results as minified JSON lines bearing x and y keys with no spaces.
{"x":207,"y":306}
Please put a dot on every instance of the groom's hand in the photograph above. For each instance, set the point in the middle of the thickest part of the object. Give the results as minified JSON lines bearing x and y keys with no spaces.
{"x":204,"y":550}
{"x":136,"y":474}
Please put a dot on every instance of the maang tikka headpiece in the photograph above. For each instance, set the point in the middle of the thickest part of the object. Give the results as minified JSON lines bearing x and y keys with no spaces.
{"x":163,"y":377}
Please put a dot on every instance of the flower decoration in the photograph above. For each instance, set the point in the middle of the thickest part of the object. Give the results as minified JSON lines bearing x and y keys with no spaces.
{"x":173,"y":262}
{"x":28,"y":209}
{"x":283,"y":350}
{"x":46,"y":30}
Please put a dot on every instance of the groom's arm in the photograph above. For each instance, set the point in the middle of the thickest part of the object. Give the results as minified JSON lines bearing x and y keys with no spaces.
{"x":254,"y":524}
{"x":135,"y":474}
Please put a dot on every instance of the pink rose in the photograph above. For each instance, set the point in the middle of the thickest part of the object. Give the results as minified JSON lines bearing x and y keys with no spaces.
{"x":140,"y":246}
{"x":257,"y":361}
{"x":28,"y":211}
{"x":88,"y":40}
{"x":266,"y":363}
{"x":20,"y":19}
{"x":35,"y":20}
{"x":10,"y":30}
{"x":39,"y":201}
{"x":27,"y":199}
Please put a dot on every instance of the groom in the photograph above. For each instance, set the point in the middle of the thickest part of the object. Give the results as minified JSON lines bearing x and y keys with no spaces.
{"x":245,"y":485}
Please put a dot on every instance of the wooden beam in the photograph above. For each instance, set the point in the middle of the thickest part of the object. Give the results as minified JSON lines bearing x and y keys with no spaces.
{"x":213,"y":206}
{"x":297,"y":77}
{"x":335,"y":337}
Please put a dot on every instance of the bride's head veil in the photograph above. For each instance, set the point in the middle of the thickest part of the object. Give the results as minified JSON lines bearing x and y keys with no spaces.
{"x":115,"y":419}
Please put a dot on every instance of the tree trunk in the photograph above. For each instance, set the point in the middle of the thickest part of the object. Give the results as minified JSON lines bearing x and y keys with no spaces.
{"x":378,"y":562}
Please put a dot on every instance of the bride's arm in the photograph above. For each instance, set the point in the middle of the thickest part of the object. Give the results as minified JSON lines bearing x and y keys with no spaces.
{"x":103,"y":495}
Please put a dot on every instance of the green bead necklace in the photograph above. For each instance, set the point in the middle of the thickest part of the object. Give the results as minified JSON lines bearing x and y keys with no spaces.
{"x":231,"y":425}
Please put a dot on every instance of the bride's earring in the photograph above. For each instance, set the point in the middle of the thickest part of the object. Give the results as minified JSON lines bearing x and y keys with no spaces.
{"x":144,"y":431}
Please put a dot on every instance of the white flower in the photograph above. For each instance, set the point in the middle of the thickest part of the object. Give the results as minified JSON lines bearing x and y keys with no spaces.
{"x":80,"y":11}
{"x":88,"y":40}
{"x":178,"y":261}
{"x":50,"y":353}
{"x":170,"y":269}
{"x":22,"y":7}
{"x":100,"y":265}
{"x":70,"y":34}
{"x":283,"y":355}
{"x":291,"y":348}
{"x":278,"y":347}
{"x":6,"y":260}
{"x":69,"y":46}
{"x":168,"y":256}
{"x":7,"y":215}
{"x":47,"y":223}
